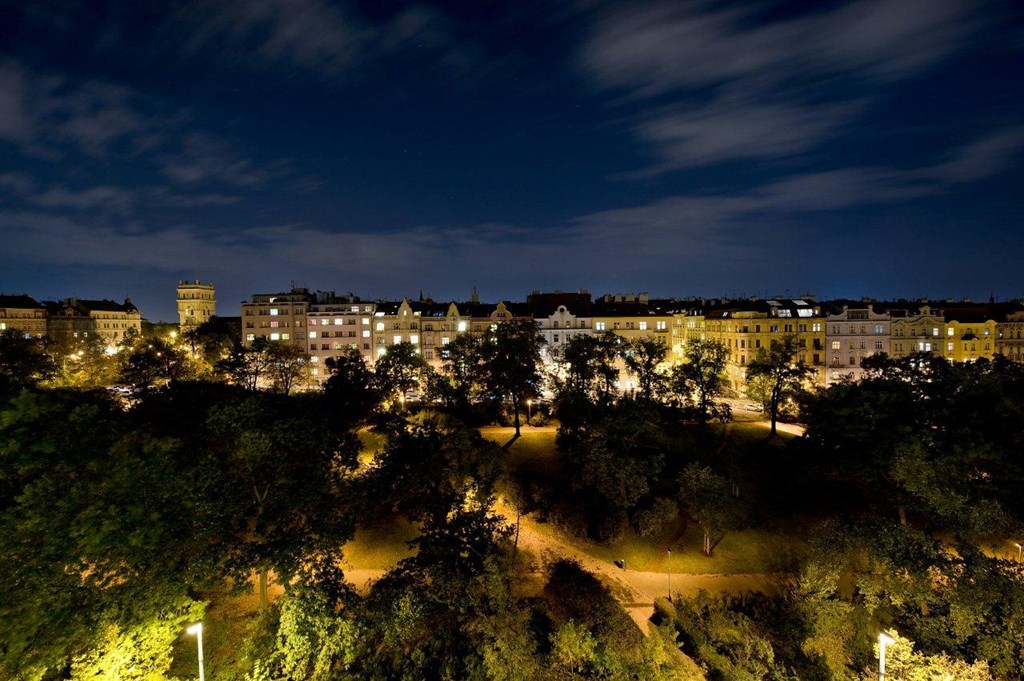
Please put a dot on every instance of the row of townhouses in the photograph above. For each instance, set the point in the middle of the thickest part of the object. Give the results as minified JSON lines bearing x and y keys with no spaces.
{"x":833,"y":337}
{"x":72,"y":318}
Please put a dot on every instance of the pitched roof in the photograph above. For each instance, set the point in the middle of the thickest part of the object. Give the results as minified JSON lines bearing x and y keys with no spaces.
{"x":19,"y":302}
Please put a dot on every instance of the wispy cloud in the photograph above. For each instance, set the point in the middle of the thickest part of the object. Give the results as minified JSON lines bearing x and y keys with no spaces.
{"x":321,"y":37}
{"x":742,"y":87}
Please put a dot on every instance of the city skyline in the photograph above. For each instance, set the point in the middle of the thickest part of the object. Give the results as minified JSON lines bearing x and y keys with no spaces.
{"x":864,"y":149}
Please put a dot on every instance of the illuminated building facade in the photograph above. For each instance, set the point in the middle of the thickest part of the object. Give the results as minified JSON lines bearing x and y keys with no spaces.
{"x":851,"y":335}
{"x":24,"y":315}
{"x":278,"y":317}
{"x":197,"y":302}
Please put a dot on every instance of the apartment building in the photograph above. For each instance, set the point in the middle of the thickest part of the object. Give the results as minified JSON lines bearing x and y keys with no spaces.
{"x":852,"y":334}
{"x":335,"y":326}
{"x":277,"y":317}
{"x":23,"y":314}
{"x":77,"y":318}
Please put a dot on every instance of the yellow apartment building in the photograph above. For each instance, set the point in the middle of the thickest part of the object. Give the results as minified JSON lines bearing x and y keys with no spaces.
{"x":24,"y":315}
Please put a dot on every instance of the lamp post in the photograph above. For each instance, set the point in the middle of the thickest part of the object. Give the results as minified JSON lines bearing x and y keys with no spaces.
{"x":529,"y":411}
{"x":670,"y":574}
{"x":1018,"y":551}
{"x":884,"y":640}
{"x":197,"y":630}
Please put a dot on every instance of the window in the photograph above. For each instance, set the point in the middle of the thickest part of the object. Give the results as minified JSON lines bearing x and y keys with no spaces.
{"x":380,"y":326}
{"x":395,"y":340}
{"x":275,"y":324}
{"x":757,"y":343}
{"x":949,"y":347}
{"x":366,"y":321}
{"x":273,"y":312}
{"x":313,"y":322}
{"x":835,"y":345}
{"x":598,"y":326}
{"x":555,"y":338}
{"x":445,"y":340}
{"x":338,"y":321}
{"x":428,"y":354}
{"x":285,"y":336}
{"x":660,"y":326}
{"x":949,"y":331}
{"x":816,"y":328}
{"x":879,"y":328}
{"x":248,"y":336}
{"x":462,"y":326}
{"x":414,"y":339}
{"x":853,"y":361}
{"x":366,"y":333}
{"x":878,"y":345}
{"x":643,"y":326}
{"x":312,"y":334}
{"x":275,"y":336}
{"x":316,"y":372}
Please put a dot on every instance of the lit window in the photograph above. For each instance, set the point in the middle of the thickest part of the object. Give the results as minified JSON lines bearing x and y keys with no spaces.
{"x":643,"y":326}
{"x":445,"y":340}
{"x":312,"y":334}
{"x":314,"y":359}
{"x":286,"y":336}
{"x":414,"y":339}
{"x":366,"y":321}
{"x":275,"y":336}
{"x":815,"y":328}
{"x":879,"y":328}
{"x":660,"y":326}
{"x":835,"y":345}
{"x":949,"y":347}
{"x":338,"y":321}
{"x":273,"y":312}
{"x":462,"y":326}
{"x":313,"y":322}
{"x":380,"y":326}
{"x":355,"y":308}
{"x":599,"y":326}
{"x":366,"y":333}
{"x":316,"y":372}
{"x":395,"y":340}
{"x":949,"y":331}
{"x":248,"y":336}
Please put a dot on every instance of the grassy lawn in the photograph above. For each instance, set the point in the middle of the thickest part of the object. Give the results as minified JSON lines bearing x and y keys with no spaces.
{"x":371,"y":444}
{"x":380,"y":547}
{"x":534,"y":450}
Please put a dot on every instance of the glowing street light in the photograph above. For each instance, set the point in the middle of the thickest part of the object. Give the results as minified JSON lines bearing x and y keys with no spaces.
{"x":1018,"y":551}
{"x":529,"y":406}
{"x":197,"y":630}
{"x":884,"y":640}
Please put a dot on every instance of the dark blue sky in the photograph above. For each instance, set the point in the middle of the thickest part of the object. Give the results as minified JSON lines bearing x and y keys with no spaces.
{"x":842,"y":149}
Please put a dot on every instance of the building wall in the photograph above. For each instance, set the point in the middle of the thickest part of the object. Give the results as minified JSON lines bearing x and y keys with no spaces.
{"x":196,"y":303}
{"x":968,"y":341}
{"x":29,"y":321}
{"x":1010,"y":337}
{"x":851,"y":336}
{"x":279,"y":317}
{"x":921,"y":331}
{"x":335,"y":328}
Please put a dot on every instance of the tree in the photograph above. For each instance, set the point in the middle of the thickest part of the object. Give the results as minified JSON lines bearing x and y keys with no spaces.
{"x":644,"y":358}
{"x":706,"y":500}
{"x":511,"y":363}
{"x":283,"y":483}
{"x":903,"y":662}
{"x":288,"y":367}
{"x":782,"y":376}
{"x":460,"y":372}
{"x":350,"y":393}
{"x":399,"y":370}
{"x":152,"y":362}
{"x":590,"y":366}
{"x":246,"y":366}
{"x":699,"y":380}
{"x":23,"y":361}
{"x":83,"y":363}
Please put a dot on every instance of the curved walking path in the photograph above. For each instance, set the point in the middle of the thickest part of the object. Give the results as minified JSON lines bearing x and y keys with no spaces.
{"x":635,"y":590}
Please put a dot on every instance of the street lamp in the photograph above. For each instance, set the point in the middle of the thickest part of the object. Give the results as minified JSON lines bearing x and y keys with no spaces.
{"x":670,"y":574}
{"x":197,"y":630}
{"x":529,"y":406}
{"x":884,"y":640}
{"x":1018,"y":551}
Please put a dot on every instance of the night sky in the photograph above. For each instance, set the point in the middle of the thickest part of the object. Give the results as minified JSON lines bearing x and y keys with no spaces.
{"x":840,"y":149}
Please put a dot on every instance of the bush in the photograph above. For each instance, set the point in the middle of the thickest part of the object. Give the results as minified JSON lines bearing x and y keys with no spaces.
{"x":651,"y":519}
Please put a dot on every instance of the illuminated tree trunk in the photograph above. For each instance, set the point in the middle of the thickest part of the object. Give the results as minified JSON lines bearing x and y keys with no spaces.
{"x":263,"y":588}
